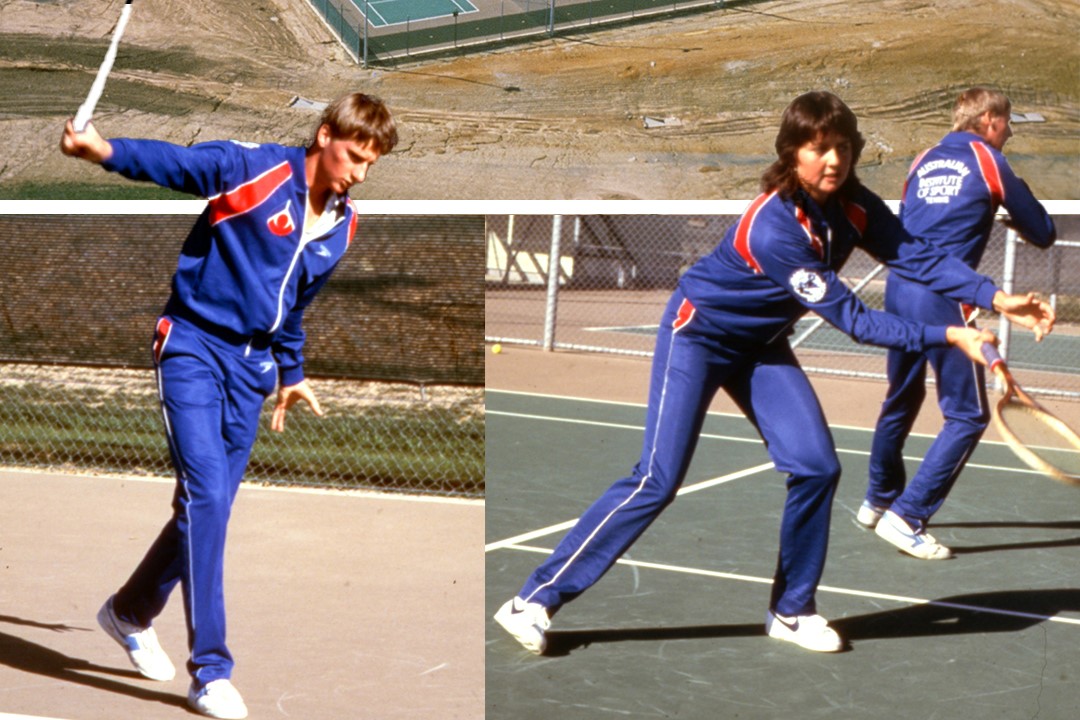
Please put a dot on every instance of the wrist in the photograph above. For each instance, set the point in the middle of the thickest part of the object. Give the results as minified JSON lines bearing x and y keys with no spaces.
{"x":998,"y":299}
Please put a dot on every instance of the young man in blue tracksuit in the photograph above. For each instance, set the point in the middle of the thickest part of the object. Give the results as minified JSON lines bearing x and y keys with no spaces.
{"x":951,"y":195}
{"x":277,"y":221}
{"x":726,"y":327}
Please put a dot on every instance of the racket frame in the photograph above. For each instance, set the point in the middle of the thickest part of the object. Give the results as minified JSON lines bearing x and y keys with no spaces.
{"x":1014,"y":394}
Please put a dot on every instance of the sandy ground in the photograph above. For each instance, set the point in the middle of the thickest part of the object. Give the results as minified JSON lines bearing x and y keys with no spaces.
{"x":557,"y":118}
{"x":340,"y":605}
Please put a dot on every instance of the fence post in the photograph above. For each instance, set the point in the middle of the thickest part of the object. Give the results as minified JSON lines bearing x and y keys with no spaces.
{"x":554,"y":264}
{"x":1008,"y":279}
{"x":367,"y":9}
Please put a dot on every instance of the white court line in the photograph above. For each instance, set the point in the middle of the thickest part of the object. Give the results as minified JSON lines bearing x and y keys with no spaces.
{"x":703,"y":485}
{"x":732,"y":438}
{"x":617,"y":426}
{"x":828,"y":588}
{"x":249,"y":486}
{"x":8,"y":716}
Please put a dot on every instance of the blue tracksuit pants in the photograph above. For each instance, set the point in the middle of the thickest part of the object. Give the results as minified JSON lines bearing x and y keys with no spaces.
{"x":211,"y":393}
{"x":690,"y":365}
{"x":961,"y":391}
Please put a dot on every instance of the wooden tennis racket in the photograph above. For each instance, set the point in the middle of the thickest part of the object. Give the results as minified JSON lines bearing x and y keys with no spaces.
{"x":86,"y":110}
{"x":1037,"y":436}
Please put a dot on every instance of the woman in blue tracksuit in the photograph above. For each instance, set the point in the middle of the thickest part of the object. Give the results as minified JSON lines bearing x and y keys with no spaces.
{"x":726,"y":327}
{"x":951,"y":195}
{"x":277,"y":221}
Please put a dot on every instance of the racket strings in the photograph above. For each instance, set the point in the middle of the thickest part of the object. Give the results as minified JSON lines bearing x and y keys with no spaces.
{"x":1045,"y":437}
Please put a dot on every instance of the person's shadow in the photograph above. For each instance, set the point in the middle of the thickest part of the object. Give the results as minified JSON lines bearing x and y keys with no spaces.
{"x":998,"y":611}
{"x":21,"y":654}
{"x":999,"y":524}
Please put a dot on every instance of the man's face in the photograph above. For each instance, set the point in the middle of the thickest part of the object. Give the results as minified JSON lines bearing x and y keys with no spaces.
{"x":342,"y":163}
{"x":998,"y":130}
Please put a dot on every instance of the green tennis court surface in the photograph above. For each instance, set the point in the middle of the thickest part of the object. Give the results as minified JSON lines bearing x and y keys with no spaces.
{"x":381,"y":13}
{"x":676,"y":629}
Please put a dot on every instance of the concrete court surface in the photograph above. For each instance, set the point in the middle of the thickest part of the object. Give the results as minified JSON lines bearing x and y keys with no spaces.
{"x":340,"y":604}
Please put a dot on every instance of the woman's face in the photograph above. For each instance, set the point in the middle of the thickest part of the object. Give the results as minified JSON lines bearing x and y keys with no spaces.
{"x":823,"y":165}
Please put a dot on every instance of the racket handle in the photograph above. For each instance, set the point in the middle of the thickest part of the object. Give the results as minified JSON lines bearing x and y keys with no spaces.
{"x":82,"y":117}
{"x":992,"y":356}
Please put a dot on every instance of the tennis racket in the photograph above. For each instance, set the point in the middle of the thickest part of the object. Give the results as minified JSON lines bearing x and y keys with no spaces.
{"x":86,"y":110}
{"x":1037,"y":436}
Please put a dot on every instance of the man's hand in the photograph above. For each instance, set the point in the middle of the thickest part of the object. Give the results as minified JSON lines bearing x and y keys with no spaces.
{"x":1027,"y":311}
{"x":970,"y":340}
{"x":88,"y":144}
{"x":289,"y":396}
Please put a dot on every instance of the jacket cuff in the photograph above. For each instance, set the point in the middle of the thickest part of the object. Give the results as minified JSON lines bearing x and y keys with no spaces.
{"x":934,"y":335}
{"x":118,"y":158}
{"x":292,"y":375}
{"x":984,"y":296}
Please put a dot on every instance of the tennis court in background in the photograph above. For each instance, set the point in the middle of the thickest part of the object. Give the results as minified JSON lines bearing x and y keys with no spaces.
{"x":383,"y":13}
{"x":676,"y":629}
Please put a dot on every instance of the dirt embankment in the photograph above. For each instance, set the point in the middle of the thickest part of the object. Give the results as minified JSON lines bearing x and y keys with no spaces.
{"x":559,"y":118}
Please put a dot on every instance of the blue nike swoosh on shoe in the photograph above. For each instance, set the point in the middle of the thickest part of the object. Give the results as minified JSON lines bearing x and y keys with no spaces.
{"x":794,"y":627}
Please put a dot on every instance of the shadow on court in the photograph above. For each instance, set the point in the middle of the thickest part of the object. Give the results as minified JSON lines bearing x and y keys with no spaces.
{"x":21,"y":654}
{"x":562,"y":643}
{"x":941,"y":617}
{"x":1013,"y":525}
{"x":945,"y":617}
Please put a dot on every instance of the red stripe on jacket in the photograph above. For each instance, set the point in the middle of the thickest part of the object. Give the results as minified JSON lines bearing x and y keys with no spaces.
{"x":742,"y":233}
{"x":991,"y":174}
{"x":249,"y":195}
{"x":857,"y":216}
{"x":352,"y":223}
{"x":685,"y":315}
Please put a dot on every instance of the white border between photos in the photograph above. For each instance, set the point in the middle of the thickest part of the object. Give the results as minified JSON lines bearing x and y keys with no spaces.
{"x":437,"y":207}
{"x":396,"y":207}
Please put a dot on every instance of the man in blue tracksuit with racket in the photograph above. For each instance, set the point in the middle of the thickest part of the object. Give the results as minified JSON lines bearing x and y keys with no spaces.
{"x":952,"y":193}
{"x":277,"y":221}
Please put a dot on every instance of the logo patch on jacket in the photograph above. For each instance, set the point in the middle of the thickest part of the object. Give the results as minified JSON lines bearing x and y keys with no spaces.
{"x":808,"y":285}
{"x":281,"y":223}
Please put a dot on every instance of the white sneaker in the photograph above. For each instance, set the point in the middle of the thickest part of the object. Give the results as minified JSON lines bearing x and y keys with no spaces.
{"x":527,"y":622}
{"x":869,"y":515}
{"x":807,"y":631}
{"x":217,"y":699}
{"x":923,"y":545}
{"x":141,"y":644}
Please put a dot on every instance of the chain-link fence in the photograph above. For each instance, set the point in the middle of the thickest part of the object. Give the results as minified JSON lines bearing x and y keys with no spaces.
{"x":394,"y":349}
{"x":616,"y":273}
{"x":383,"y":32}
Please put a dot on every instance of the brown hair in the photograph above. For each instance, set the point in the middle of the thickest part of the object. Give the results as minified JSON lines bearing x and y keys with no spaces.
{"x":808,"y":117}
{"x":975,"y":102}
{"x":362,"y":118}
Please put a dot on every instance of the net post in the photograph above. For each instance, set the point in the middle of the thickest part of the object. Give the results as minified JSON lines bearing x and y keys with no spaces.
{"x":1008,"y":280}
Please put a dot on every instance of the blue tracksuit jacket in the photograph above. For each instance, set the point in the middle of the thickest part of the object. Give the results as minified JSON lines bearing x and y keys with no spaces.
{"x":245,"y":270}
